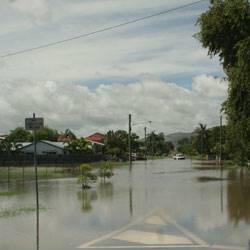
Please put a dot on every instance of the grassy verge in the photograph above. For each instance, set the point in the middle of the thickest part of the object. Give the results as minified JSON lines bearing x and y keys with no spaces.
{"x":10,"y":193}
{"x":45,"y":172}
{"x":12,"y":212}
{"x":209,"y":178}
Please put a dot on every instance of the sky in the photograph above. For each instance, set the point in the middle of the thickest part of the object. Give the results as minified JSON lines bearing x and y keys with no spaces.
{"x":155,"y":69}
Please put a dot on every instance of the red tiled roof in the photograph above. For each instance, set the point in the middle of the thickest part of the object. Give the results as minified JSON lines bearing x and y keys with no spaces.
{"x":97,"y":137}
{"x":64,"y":138}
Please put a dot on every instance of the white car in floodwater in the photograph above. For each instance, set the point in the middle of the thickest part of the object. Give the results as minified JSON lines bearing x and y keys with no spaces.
{"x":179,"y":157}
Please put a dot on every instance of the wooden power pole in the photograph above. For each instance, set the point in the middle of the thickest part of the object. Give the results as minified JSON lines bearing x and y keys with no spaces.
{"x":129,"y":141}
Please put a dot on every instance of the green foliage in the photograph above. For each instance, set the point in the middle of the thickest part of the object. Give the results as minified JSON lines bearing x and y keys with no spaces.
{"x":201,"y":140}
{"x":5,"y":147}
{"x":185,"y":146}
{"x":117,"y":144}
{"x":106,"y":170}
{"x":157,"y":145}
{"x":19,"y":135}
{"x":79,"y":146}
{"x":225,"y":31}
{"x":46,"y":133}
{"x":86,"y":176}
{"x":69,"y":134}
{"x":12,"y":212}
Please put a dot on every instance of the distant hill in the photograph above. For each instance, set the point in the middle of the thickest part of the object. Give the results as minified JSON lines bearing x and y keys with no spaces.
{"x":175,"y":137}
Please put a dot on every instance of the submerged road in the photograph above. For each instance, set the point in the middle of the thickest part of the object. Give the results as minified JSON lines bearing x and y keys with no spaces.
{"x":155,"y":230}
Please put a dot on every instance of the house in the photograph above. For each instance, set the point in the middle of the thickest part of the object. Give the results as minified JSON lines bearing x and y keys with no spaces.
{"x":64,"y":138}
{"x":97,"y":142}
{"x":97,"y":137}
{"x":43,"y":148}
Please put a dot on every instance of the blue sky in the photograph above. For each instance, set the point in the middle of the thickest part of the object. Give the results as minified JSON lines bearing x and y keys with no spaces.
{"x":161,"y":49}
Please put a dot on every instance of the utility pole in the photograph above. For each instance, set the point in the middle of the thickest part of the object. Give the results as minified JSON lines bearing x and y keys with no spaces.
{"x":145,"y":134}
{"x":220,"y":140}
{"x":201,"y":144}
{"x":37,"y":193}
{"x":129,"y":142}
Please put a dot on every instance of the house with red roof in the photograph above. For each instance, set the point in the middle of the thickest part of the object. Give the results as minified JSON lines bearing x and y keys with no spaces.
{"x":97,"y":137}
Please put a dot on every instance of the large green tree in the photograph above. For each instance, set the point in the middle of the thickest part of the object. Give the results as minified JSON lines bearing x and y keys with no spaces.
{"x":117,"y":143}
{"x":46,"y":133}
{"x":157,"y":145}
{"x":19,"y":135}
{"x":79,"y":146}
{"x":201,"y":140}
{"x":225,"y":31}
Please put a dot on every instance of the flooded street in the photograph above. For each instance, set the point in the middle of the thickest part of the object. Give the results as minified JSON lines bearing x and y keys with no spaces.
{"x":208,"y":208}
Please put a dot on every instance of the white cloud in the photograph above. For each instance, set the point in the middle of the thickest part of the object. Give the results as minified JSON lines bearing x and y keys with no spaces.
{"x":208,"y":85}
{"x":159,"y":46}
{"x":38,"y":9}
{"x":170,"y":107}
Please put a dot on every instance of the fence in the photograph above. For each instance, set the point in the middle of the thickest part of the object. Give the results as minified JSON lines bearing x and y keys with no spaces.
{"x":28,"y":160}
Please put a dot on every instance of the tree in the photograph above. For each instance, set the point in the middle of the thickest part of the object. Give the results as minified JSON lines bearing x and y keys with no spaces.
{"x":66,"y":136}
{"x":185,"y":146}
{"x":5,"y":147}
{"x":19,"y":135}
{"x":86,"y":176}
{"x":79,"y":146}
{"x":201,"y":140}
{"x":225,"y":31}
{"x":157,"y":145}
{"x":117,"y":144}
{"x":105,"y":170}
{"x":46,"y":133}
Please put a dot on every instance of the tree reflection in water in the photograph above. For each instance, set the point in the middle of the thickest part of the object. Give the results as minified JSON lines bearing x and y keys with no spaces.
{"x":103,"y":191}
{"x":238,"y":196}
{"x":86,"y":197}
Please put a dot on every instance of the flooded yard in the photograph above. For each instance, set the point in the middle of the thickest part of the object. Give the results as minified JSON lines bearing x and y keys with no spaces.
{"x":211,"y":207}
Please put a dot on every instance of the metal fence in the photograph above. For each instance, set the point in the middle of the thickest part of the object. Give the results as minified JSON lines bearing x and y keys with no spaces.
{"x":28,"y":160}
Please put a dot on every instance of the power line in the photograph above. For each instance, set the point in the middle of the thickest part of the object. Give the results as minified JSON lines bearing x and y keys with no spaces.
{"x":100,"y":30}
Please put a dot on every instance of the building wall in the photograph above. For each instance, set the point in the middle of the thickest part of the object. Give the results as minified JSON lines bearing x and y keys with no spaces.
{"x":43,"y":149}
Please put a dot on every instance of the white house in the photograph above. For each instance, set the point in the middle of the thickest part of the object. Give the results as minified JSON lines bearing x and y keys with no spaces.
{"x":43,"y":148}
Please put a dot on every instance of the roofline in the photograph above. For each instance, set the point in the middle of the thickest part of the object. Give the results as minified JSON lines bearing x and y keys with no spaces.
{"x":98,"y":143}
{"x":32,"y":143}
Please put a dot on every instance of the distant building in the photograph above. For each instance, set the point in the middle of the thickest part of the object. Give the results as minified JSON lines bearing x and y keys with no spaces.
{"x":97,"y":137}
{"x":43,"y":148}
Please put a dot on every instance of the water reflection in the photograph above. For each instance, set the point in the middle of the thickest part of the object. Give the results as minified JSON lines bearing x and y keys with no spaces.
{"x":130,"y":201}
{"x":238,"y":196}
{"x":86,"y":197}
{"x":103,"y":191}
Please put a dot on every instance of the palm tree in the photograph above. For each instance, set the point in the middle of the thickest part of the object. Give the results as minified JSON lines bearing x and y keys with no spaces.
{"x":201,"y":140}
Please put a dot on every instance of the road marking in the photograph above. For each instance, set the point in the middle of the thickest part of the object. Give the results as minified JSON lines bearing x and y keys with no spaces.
{"x":227,"y":247}
{"x":186,"y":232}
{"x":110,"y":235}
{"x":155,"y":240}
{"x":148,"y":238}
{"x":147,"y":247}
{"x":155,"y":220}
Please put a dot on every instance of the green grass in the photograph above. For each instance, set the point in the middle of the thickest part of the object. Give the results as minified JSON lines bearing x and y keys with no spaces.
{"x":209,"y":178}
{"x":10,"y":193}
{"x":49,"y":172}
{"x":16,"y":173}
{"x":12,"y":212}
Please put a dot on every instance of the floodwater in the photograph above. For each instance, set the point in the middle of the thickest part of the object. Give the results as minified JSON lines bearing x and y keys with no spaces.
{"x":213,"y":205}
